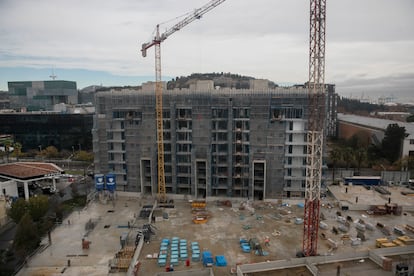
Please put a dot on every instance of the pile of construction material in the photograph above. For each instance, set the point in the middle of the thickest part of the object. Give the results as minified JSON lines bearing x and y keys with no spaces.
{"x":400,"y":241}
{"x":122,"y":259}
{"x":253,"y":245}
{"x":386,"y":209}
{"x":199,"y":210}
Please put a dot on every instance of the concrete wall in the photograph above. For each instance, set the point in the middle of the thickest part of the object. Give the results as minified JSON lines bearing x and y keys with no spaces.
{"x":376,"y":255}
{"x":9,"y":188}
{"x":193,"y":272}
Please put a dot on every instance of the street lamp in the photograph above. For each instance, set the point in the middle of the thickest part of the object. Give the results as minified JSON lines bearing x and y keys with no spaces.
{"x":40,"y":148}
{"x":73,"y":150}
{"x":85,"y":169}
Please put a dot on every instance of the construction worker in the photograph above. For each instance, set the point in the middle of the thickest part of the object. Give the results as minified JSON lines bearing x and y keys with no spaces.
{"x":267,"y":241}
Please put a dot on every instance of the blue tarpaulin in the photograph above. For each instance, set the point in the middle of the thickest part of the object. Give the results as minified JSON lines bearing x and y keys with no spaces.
{"x":221,"y":261}
{"x":207,"y":258}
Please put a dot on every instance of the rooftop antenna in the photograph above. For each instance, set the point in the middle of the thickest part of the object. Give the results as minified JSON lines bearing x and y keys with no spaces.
{"x":53,"y":76}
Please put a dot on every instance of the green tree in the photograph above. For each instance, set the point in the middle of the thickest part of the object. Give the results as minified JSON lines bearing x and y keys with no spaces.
{"x":50,"y":152}
{"x":38,"y":206}
{"x":27,"y":237}
{"x":84,"y":156}
{"x":348,"y":156}
{"x":334,"y":156}
{"x":410,"y":119}
{"x":360,"y":156}
{"x":18,"y":209}
{"x":8,"y":146}
{"x":17,"y":151}
{"x":392,"y":143}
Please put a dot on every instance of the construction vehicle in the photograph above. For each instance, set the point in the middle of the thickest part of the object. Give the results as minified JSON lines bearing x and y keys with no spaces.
{"x":156,"y":42}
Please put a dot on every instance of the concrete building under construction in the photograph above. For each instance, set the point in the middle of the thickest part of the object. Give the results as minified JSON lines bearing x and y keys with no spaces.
{"x":246,"y":143}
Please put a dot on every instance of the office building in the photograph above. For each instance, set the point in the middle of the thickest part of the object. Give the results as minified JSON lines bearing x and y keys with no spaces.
{"x":41,"y":95}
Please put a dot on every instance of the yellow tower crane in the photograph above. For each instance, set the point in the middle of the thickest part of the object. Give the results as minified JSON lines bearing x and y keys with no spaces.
{"x":156,"y":42}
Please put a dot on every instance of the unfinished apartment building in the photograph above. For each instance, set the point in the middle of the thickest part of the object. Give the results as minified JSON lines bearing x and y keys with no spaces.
{"x":247,"y":143}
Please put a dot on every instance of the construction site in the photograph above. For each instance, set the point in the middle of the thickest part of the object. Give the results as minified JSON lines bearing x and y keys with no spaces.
{"x":212,"y":196}
{"x":131,"y":235}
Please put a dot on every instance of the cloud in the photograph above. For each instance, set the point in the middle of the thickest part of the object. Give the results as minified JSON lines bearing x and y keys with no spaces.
{"x":367,"y":39}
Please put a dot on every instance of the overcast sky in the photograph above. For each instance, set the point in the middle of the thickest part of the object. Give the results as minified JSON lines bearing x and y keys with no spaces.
{"x":369,"y":51}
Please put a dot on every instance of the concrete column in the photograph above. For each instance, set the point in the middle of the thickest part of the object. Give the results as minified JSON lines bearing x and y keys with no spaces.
{"x":54,"y":183}
{"x":26,"y":190}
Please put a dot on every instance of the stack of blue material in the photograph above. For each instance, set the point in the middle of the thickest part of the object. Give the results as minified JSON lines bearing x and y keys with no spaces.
{"x":162,"y":257}
{"x":221,"y":261}
{"x":207,"y":258}
{"x":195,"y":250}
{"x":244,"y":245}
{"x":183,"y":250}
{"x":174,"y":251}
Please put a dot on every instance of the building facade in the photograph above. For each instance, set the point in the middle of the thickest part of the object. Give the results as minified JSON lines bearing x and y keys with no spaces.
{"x":246,"y":143}
{"x":41,"y":95}
{"x":374,"y":128}
{"x":38,"y":130}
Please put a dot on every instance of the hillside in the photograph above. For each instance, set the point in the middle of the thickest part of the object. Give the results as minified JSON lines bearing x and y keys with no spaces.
{"x":220,"y":79}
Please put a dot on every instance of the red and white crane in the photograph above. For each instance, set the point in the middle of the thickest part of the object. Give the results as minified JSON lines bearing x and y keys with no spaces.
{"x":315,"y":127}
{"x":156,"y":42}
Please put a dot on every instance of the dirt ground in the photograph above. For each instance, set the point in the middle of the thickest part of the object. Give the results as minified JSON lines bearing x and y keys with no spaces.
{"x":222,"y":232}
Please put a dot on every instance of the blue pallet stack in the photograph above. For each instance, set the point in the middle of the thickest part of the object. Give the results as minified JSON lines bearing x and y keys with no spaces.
{"x":162,"y":257}
{"x":195,"y":251}
{"x":174,"y":251}
{"x":183,"y":250}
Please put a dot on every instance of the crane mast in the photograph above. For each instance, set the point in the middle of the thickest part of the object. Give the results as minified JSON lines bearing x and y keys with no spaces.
{"x":156,"y":42}
{"x":316,"y":122}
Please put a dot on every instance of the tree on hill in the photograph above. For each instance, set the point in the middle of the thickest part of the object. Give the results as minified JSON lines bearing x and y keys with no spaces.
{"x":219,"y":79}
{"x":354,"y":106}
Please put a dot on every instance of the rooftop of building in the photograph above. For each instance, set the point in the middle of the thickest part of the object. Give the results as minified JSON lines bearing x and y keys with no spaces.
{"x":375,"y":122}
{"x":28,"y":170}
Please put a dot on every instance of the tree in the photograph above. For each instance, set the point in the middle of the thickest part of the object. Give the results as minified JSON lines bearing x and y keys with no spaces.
{"x":17,"y":152}
{"x":374,"y":153}
{"x":348,"y":156}
{"x":335,"y":156}
{"x":18,"y":210}
{"x":38,"y":206}
{"x":27,"y":237}
{"x":50,"y":152}
{"x":392,"y":143}
{"x":8,"y":147}
{"x":360,"y":156}
{"x":83,"y":156}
